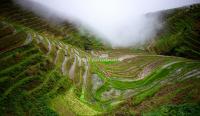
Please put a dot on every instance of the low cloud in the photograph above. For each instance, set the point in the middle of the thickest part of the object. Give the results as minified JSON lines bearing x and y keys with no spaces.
{"x":122,"y":23}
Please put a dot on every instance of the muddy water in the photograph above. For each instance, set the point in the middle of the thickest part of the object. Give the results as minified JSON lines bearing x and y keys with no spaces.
{"x":85,"y":74}
{"x":49,"y":47}
{"x":72,"y":69}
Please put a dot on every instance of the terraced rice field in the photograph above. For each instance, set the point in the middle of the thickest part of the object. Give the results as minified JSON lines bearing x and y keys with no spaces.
{"x":41,"y":75}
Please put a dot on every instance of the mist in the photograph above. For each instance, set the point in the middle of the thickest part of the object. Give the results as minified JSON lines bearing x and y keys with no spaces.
{"x":121,"y":23}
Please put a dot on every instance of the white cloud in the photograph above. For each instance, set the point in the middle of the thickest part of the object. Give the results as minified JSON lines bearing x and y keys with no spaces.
{"x":121,"y":22}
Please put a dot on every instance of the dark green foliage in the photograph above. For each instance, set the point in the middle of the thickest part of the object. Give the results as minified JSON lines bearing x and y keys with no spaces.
{"x":20,"y":104}
{"x":176,"y":110}
{"x":6,"y":31}
{"x":84,"y":42}
{"x":182,"y":34}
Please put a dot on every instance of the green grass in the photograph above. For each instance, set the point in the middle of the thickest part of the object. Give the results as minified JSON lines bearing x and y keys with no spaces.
{"x":73,"y":105}
{"x":176,"y":110}
{"x":145,"y":94}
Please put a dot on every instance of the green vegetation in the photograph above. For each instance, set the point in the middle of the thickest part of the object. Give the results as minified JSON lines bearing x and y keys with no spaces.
{"x":43,"y":72}
{"x":181,"y":35}
{"x":84,"y":42}
{"x":177,"y":110}
{"x":23,"y":19}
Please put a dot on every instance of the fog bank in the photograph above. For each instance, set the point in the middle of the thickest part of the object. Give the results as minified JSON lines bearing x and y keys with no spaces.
{"x":122,"y":23}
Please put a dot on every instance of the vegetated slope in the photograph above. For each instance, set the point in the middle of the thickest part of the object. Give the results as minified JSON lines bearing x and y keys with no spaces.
{"x":181,"y":34}
{"x":35,"y":69}
{"x":140,"y":83}
{"x":66,"y":31}
{"x":42,"y":75}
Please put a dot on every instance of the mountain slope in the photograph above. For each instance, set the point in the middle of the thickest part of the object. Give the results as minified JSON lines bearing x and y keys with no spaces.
{"x":181,"y":33}
{"x":43,"y":75}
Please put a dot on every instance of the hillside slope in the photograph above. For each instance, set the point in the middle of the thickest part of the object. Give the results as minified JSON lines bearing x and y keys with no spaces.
{"x":42,"y":75}
{"x":66,"y":32}
{"x":50,"y":77}
{"x":181,"y":34}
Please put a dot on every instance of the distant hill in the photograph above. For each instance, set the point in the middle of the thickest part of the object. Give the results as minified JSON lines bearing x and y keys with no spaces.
{"x":181,"y":33}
